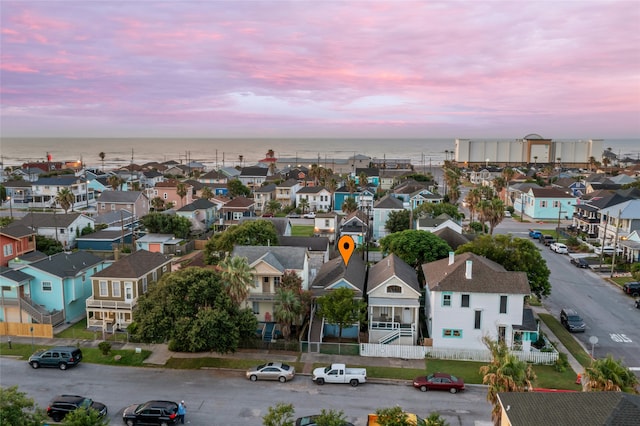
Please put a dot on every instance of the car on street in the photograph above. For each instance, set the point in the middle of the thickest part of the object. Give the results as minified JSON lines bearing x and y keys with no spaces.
{"x":607,"y":251}
{"x":311,"y":421}
{"x":580,"y":262}
{"x":535,"y":234}
{"x":547,"y":240}
{"x":572,"y":321}
{"x":632,"y":288}
{"x":439,"y":381}
{"x":310,"y":215}
{"x":61,"y":357}
{"x":559,"y":248}
{"x":271,"y":371}
{"x":293,"y":215}
{"x":151,"y":413}
{"x":61,"y":405}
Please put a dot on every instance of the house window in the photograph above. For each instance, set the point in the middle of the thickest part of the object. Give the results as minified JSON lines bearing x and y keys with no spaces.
{"x":477,"y":320}
{"x":61,"y":230}
{"x":46,"y":286}
{"x":165,"y":195}
{"x":154,"y":276}
{"x":164,"y":268}
{"x":556,"y":204}
{"x":465,"y":301}
{"x":113,"y":207}
{"x":503,"y":304}
{"x":104,"y":290}
{"x":115,"y":288}
{"x":256,"y":307}
{"x":543,"y":203}
{"x":265,"y":280}
{"x":103,"y":206}
{"x":327,"y":223}
{"x":144,"y":285}
{"x":394,"y":289}
{"x":7,"y":249}
{"x":446,"y":299}
{"x":451,"y":333}
{"x":276,"y":282}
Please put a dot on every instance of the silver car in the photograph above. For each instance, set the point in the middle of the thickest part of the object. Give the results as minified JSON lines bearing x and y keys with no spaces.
{"x":271,"y":371}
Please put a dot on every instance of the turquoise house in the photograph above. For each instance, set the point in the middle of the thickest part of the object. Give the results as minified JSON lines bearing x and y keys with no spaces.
{"x":548,"y":204}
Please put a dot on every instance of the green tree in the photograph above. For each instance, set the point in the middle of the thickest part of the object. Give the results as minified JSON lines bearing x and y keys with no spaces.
{"x":339,"y":307}
{"x":349,"y":205}
{"x":505,"y":373}
{"x":206,"y":193}
{"x":167,"y":224}
{"x":48,"y":246}
{"x":237,"y":189}
{"x":434,"y":419}
{"x":495,"y":213}
{"x":472,"y":199}
{"x":16,"y":409}
{"x":237,"y":278}
{"x":610,"y":375}
{"x":191,"y":310}
{"x":415,"y":247}
{"x":85,"y":417}
{"x":65,"y":199}
{"x":287,"y":310}
{"x":157,"y":203}
{"x":398,"y":221}
{"x":280,"y":415}
{"x":273,"y":206}
{"x":249,"y":233}
{"x":102,"y":155}
{"x":394,"y":416}
{"x":303,"y":205}
{"x":330,"y":418}
{"x":436,"y":209}
{"x":514,"y":254}
{"x":115,"y":182}
{"x":181,"y":191}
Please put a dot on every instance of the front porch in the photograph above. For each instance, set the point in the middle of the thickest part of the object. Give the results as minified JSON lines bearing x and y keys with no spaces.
{"x":109,"y":315}
{"x":397,"y":325}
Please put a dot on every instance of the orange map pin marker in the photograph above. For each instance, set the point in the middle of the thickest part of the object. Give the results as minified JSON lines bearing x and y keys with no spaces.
{"x":346,"y":247}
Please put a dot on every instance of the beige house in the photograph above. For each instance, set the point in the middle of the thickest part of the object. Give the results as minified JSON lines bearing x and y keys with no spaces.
{"x":134,"y":202}
{"x":115,"y":289}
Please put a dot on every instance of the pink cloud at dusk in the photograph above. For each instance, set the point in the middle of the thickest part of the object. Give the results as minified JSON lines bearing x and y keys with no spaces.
{"x":320,"y":69}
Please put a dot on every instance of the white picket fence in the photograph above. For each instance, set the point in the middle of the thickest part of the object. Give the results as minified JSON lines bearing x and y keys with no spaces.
{"x":418,"y":352}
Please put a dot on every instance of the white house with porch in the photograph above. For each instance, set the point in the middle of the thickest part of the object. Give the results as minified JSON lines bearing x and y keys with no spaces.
{"x":393,"y":295}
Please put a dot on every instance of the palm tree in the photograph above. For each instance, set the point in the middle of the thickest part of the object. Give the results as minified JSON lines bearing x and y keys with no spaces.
{"x":304,"y":205}
{"x":495,"y":213}
{"x":237,"y":277}
{"x":181,"y":191}
{"x":206,"y":193}
{"x":115,"y":182}
{"x":65,"y":199}
{"x":102,"y":155}
{"x":286,"y":311}
{"x":472,"y":199}
{"x":505,"y":373}
{"x":273,"y":206}
{"x":157,"y":203}
{"x":608,"y":374}
{"x":349,"y":205}
{"x":363,"y":179}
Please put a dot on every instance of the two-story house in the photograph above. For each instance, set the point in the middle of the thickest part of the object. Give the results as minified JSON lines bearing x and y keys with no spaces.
{"x":135,"y":202}
{"x":326,"y":225}
{"x":16,"y":239}
{"x":317,"y":198}
{"x":115,"y":289}
{"x":381,"y":212}
{"x":618,"y":221}
{"x":45,"y":191}
{"x":263,"y":195}
{"x":286,"y":192}
{"x":59,"y":283}
{"x":548,"y":203}
{"x":269,"y":264}
{"x":469,"y":297}
{"x":236,"y":209}
{"x":61,"y":227}
{"x":356,"y":225}
{"x":253,"y":177}
{"x":168,"y":191}
{"x":202,"y":213}
{"x":19,"y":192}
{"x":586,"y":214}
{"x":393,"y":298}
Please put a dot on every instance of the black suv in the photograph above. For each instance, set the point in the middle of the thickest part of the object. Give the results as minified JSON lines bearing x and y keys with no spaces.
{"x":60,"y":356}
{"x":572,"y":321}
{"x":632,"y":288}
{"x":63,"y":404}
{"x":151,"y":413}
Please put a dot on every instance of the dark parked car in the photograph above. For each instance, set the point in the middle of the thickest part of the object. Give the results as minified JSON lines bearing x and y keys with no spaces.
{"x":60,"y":356}
{"x":63,"y":404}
{"x":439,"y":381}
{"x":572,"y":321}
{"x":580,"y":262}
{"x":547,"y":240}
{"x":151,"y":413}
{"x":632,"y":288}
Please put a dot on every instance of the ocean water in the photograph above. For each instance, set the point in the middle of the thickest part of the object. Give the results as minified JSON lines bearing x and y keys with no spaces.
{"x":218,"y":152}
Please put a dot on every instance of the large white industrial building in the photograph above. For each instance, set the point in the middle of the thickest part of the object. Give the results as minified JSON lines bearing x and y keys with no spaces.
{"x":532,"y":149}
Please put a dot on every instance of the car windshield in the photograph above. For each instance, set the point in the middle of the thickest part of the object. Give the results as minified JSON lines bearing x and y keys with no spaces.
{"x":86,"y":403}
{"x":574,"y":318}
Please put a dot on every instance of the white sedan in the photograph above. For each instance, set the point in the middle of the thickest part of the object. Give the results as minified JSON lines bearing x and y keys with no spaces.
{"x":559,"y":248}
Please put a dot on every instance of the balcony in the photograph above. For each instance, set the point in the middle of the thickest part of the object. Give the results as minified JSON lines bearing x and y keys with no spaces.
{"x":93,"y":303}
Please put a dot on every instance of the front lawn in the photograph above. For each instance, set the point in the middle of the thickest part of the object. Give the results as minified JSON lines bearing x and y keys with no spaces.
{"x":302,"y":231}
{"x":89,"y":355}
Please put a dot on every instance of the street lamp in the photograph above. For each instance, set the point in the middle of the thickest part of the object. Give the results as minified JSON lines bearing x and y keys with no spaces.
{"x":10,"y":208}
{"x":86,"y":193}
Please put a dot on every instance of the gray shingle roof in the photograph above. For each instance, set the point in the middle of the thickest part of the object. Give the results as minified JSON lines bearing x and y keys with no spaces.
{"x":310,"y":243}
{"x":286,"y":257}
{"x":335,"y":270}
{"x":487,"y":276}
{"x":135,"y":265}
{"x":119,"y":196}
{"x":49,"y":220}
{"x":10,"y":276}
{"x":391,"y":266}
{"x":67,"y":264}
{"x":389,"y":202}
{"x":16,"y":230}
{"x":571,"y":408}
{"x":199,"y":204}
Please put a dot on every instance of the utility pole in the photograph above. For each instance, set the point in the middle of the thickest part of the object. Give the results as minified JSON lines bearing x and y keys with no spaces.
{"x":559,"y":213}
{"x":615,"y":244}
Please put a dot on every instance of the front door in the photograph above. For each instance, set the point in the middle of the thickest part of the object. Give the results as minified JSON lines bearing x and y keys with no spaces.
{"x":502,"y":333}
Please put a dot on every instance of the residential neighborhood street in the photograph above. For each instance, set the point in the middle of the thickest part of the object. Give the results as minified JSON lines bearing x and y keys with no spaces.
{"x":226,"y":398}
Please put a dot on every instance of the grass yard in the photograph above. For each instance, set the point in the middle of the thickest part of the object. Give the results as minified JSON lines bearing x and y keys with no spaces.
{"x":302,"y":231}
{"x":79,"y":331}
{"x":567,"y":339}
{"x":90,"y":355}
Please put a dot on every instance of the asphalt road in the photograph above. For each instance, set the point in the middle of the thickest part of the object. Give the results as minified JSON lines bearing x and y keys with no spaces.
{"x":217,"y":397}
{"x":609,"y":314}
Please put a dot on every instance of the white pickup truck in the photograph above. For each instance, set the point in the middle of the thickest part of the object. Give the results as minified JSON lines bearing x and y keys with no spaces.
{"x":339,"y":373}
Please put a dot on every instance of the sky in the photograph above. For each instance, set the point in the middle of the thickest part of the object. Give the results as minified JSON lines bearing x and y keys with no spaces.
{"x":406,"y":69}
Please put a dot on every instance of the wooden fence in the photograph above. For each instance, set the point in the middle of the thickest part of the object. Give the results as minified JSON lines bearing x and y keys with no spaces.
{"x":26,"y":330}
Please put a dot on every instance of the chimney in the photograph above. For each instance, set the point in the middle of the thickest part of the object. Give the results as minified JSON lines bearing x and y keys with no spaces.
{"x":116,"y":254}
{"x":467,"y":273}
{"x":451,"y":256}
